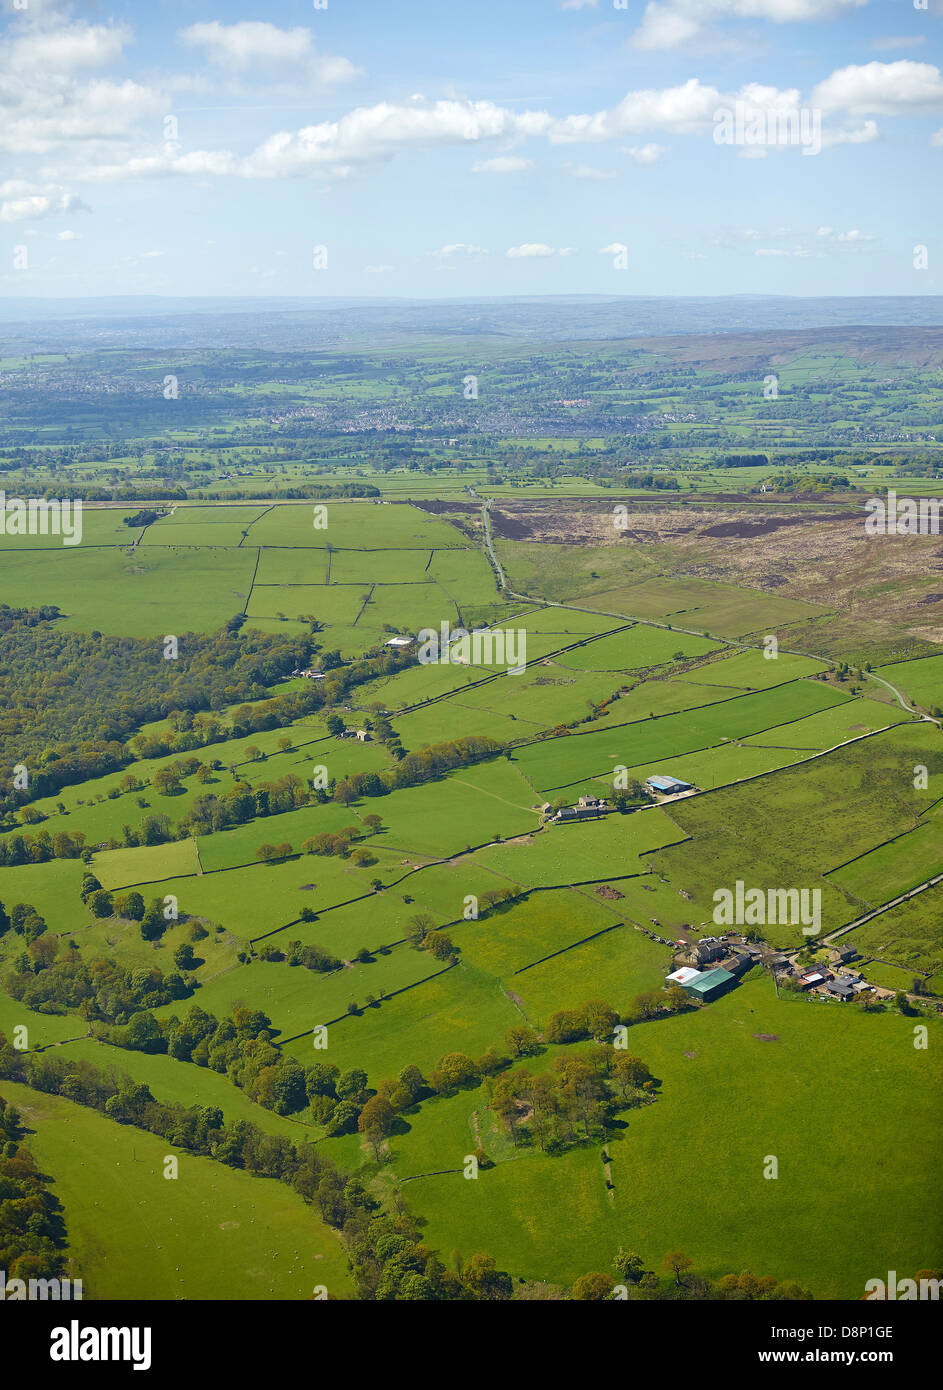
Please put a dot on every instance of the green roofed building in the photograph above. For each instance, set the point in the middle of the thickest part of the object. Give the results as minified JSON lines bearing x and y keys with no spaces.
{"x":707,"y":984}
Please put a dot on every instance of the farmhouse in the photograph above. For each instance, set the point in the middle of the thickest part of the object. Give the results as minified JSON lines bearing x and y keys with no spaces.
{"x":842,"y":954}
{"x":706,"y":951}
{"x":667,"y":786}
{"x":586,"y":807}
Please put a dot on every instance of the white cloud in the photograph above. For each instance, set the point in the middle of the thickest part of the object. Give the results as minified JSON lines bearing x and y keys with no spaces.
{"x":67,"y":48}
{"x":26,"y":202}
{"x":670,"y":23}
{"x":458,"y":248}
{"x":590,"y":171}
{"x":888,"y":89}
{"x":645,"y":154}
{"x":864,"y":134}
{"x":529,"y":250}
{"x":502,"y":164}
{"x":662,"y":27}
{"x":68,"y":236}
{"x":829,"y":234}
{"x":937,"y":137}
{"x":371,"y":134}
{"x":256,"y":43}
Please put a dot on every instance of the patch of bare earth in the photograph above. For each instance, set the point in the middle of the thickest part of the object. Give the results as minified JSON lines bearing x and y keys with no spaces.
{"x":820,"y":555}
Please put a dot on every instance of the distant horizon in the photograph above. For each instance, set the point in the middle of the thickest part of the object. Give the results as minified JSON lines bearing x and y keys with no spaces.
{"x":451,"y":299}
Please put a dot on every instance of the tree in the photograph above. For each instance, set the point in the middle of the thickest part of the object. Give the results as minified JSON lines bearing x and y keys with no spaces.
{"x":629,"y":1073}
{"x":419,"y":927}
{"x":630,"y":1266}
{"x":130,"y":906}
{"x":453,"y":1070}
{"x":592,"y":1288}
{"x":101,"y":903}
{"x":184,"y":959}
{"x":522,"y":1041}
{"x":439,"y":944}
{"x":376,"y":1122}
{"x":351,"y":1084}
{"x":677,"y":1261}
{"x":486,"y":1281}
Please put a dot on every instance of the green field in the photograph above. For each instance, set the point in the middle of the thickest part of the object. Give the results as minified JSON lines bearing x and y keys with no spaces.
{"x":644,"y":656}
{"x":213,"y":1232}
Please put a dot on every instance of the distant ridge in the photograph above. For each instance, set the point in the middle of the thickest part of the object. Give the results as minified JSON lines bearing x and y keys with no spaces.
{"x":142,"y":321}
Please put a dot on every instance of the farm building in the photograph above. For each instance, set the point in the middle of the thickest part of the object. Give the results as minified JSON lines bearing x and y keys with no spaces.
{"x":398,"y":642}
{"x":667,"y":786}
{"x":682,"y":976}
{"x":707,"y":951}
{"x":839,"y":988}
{"x":707,"y":984}
{"x":586,"y":806}
{"x":842,"y":954}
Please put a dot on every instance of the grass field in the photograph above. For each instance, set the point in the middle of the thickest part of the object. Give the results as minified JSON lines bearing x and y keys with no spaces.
{"x":800,"y":784}
{"x":213,"y":1232}
{"x":834,"y":1081}
{"x":558,"y":763}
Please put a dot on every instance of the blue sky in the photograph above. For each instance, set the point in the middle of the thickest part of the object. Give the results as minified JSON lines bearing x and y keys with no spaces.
{"x":435,"y":149}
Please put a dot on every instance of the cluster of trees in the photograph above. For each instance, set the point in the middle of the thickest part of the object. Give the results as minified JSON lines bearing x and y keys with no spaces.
{"x":98,"y":990}
{"x":574,"y":1101}
{"x":191,"y":729}
{"x":387,"y":1255}
{"x":32,"y":1233}
{"x":597,"y":1019}
{"x":243,"y":803}
{"x":26,"y":617}
{"x":660,"y":482}
{"x":41,"y":847}
{"x":419,"y":766}
{"x":679,"y":1284}
{"x":742,"y":461}
{"x":70,"y":699}
{"x":310,"y":957}
{"x":24,"y":920}
{"x":803,"y":482}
